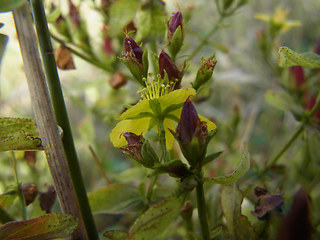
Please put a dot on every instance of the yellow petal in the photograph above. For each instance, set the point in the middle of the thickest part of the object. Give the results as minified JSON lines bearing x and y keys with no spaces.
{"x":140,"y":107}
{"x":210,"y":125}
{"x":176,"y":97}
{"x":137,"y":126}
{"x":168,"y":124}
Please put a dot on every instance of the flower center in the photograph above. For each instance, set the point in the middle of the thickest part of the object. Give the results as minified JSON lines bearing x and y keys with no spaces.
{"x":155,"y":87}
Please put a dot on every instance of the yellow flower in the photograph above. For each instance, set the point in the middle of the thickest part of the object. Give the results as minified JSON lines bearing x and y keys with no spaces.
{"x":139,"y":118}
{"x":279,"y":20}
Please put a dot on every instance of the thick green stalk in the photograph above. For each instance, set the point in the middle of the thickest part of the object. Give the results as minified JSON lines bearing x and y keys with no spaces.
{"x":202,"y":211}
{"x":61,"y":114}
{"x":162,"y":138}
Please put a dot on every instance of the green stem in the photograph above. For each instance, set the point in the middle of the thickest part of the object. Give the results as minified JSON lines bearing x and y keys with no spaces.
{"x":162,"y":138}
{"x":61,"y":115}
{"x":202,"y":211}
{"x":20,"y":193}
{"x":284,"y":148}
{"x":151,"y":188}
{"x":206,"y":38}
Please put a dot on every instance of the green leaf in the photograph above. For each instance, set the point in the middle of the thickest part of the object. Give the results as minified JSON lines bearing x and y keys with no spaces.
{"x":113,"y":198}
{"x":121,"y":13}
{"x":49,"y":226}
{"x":237,"y":224}
{"x":19,"y":134}
{"x":8,"y":5}
{"x":211,"y":157}
{"x":151,"y":22}
{"x":238,"y":173}
{"x":7,"y":198}
{"x":283,"y":102}
{"x":116,"y":235}
{"x":288,"y":58}
{"x":156,"y":219}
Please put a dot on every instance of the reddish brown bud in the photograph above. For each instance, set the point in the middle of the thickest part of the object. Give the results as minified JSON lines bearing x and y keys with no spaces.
{"x":117,"y":80}
{"x":131,"y":47}
{"x":134,"y":145}
{"x":174,"y":22}
{"x":30,"y":157}
{"x":167,"y":65}
{"x":30,"y":192}
{"x":64,"y":58}
{"x":47,"y":199}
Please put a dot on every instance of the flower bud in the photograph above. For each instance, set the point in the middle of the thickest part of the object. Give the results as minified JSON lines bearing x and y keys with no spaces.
{"x":205,"y":72}
{"x":167,"y":66}
{"x":139,"y":149}
{"x":30,"y":192}
{"x":74,"y":14}
{"x":117,"y":80}
{"x":131,"y":47}
{"x":175,"y":34}
{"x":135,"y":59}
{"x":192,"y":135}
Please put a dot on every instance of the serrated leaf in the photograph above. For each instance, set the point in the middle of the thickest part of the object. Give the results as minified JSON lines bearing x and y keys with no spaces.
{"x":8,"y":5}
{"x":237,"y":224}
{"x":238,"y":173}
{"x":115,"y":235}
{"x":288,"y":58}
{"x":156,"y":219}
{"x":113,"y":198}
{"x":19,"y":134}
{"x":121,"y":13}
{"x":151,"y":22}
{"x":49,"y":226}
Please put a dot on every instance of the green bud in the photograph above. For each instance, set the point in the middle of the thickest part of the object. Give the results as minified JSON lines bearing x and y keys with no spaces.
{"x":175,"y":168}
{"x":205,"y":72}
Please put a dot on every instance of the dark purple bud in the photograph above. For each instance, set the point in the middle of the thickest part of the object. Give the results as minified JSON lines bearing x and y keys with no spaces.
{"x":167,"y":65}
{"x":188,"y":124}
{"x":296,"y":225}
{"x":174,"y":22}
{"x":131,"y":47}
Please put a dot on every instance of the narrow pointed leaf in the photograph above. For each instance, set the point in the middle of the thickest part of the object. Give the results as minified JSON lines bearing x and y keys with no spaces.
{"x":113,"y":198}
{"x":211,"y":158}
{"x":48,"y":226}
{"x":288,"y":58}
{"x":236,"y":174}
{"x":156,"y":219}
